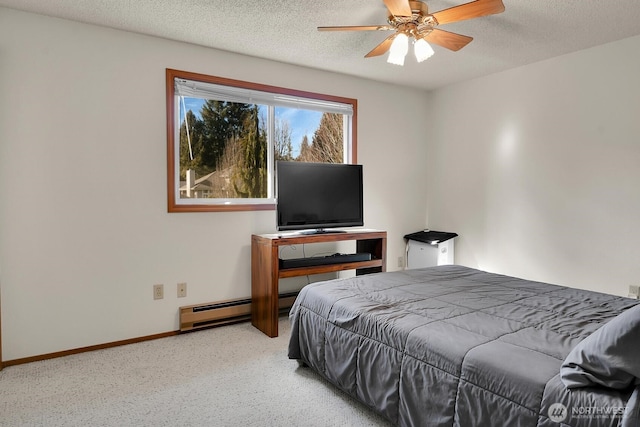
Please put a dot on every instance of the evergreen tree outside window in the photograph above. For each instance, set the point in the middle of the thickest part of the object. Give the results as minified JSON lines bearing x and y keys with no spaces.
{"x":224,"y":137}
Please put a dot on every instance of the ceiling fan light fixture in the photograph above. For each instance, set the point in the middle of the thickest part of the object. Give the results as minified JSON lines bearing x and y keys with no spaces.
{"x":399,"y":49}
{"x":412,"y":19}
{"x":422,"y":50}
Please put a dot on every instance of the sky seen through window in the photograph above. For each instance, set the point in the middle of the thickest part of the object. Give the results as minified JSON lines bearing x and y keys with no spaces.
{"x":301,"y":122}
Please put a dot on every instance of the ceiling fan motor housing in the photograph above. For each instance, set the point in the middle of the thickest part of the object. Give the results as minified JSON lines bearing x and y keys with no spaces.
{"x":418,"y":25}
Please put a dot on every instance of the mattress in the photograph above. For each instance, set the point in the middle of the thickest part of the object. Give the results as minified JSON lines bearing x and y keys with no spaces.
{"x":455,"y":346}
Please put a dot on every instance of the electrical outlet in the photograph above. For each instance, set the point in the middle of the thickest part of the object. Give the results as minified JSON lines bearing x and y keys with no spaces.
{"x":182,"y":290}
{"x":158,"y":291}
{"x":634,"y":291}
{"x":400,"y":262}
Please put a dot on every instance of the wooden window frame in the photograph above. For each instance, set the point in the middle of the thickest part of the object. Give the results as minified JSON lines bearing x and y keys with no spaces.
{"x":172,"y":74}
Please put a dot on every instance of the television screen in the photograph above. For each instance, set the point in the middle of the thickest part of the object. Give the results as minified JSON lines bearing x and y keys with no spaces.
{"x":318,"y":195}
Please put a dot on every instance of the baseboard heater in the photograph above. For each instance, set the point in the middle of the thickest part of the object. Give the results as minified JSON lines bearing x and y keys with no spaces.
{"x":206,"y":315}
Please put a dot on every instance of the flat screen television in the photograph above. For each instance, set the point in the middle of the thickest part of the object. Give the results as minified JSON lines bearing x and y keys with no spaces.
{"x":318,"y":196}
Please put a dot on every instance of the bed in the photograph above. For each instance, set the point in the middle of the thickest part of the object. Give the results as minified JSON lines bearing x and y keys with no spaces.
{"x":456,"y":346}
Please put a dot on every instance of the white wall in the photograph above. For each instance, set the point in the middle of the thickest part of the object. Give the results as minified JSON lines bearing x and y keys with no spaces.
{"x":538,"y":169}
{"x":84,"y":228}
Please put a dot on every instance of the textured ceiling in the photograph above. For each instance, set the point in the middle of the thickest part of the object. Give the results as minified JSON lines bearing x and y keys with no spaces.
{"x":285,"y":31}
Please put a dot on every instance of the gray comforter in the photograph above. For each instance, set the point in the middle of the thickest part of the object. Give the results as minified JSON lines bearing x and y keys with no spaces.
{"x":454,"y":346}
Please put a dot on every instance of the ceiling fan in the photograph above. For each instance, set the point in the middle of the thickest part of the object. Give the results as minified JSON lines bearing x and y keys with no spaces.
{"x":411,"y":19}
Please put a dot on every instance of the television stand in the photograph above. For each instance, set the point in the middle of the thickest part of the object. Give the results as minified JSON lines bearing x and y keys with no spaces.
{"x":266,"y":270}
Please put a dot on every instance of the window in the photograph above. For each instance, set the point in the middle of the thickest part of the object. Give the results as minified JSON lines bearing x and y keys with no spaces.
{"x":224,"y":137}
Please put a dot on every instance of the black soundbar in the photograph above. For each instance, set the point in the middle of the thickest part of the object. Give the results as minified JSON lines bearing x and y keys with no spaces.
{"x":324,"y":260}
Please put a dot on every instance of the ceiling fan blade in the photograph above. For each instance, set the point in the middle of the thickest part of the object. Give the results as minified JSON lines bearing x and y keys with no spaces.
{"x":383,"y":47}
{"x":357,"y":28}
{"x":451,"y":41}
{"x":398,"y":7}
{"x":474,"y":9}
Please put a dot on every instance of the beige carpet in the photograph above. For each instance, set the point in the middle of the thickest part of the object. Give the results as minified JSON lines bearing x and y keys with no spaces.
{"x":227,"y":376}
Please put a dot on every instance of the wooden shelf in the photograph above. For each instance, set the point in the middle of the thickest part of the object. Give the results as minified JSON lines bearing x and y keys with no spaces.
{"x":265,"y":269}
{"x":320,"y":269}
